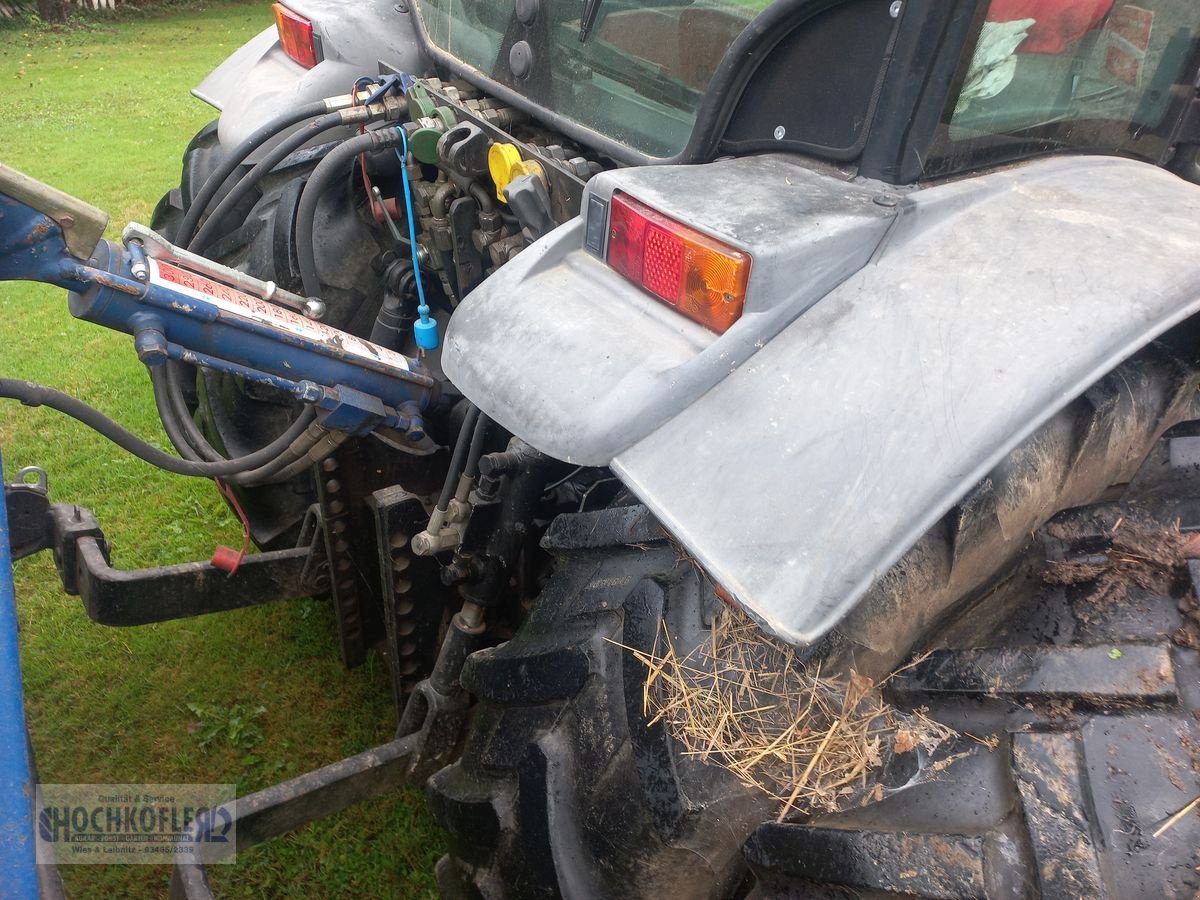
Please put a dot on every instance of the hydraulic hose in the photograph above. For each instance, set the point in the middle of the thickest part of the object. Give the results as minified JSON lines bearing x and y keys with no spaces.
{"x":477,"y":440}
{"x":237,"y":156}
{"x":192,"y":444}
{"x":279,"y":473}
{"x":168,"y":415}
{"x":465,"y":436}
{"x":30,"y":394}
{"x":193,"y":436}
{"x":280,"y":151}
{"x":333,"y":166}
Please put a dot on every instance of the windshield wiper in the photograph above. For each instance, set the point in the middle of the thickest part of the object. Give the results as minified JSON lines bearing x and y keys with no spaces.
{"x":591,"y":9}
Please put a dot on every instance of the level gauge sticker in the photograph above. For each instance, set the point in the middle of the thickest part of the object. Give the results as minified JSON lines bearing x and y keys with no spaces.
{"x":246,"y":306}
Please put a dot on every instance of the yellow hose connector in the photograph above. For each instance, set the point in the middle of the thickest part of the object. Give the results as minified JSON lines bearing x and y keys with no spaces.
{"x":505,"y":164}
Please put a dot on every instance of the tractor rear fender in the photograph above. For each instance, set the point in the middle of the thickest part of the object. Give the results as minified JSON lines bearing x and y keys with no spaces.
{"x":259,"y":81}
{"x":894,"y":349}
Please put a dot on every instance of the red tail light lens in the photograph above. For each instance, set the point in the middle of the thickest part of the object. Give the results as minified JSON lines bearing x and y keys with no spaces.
{"x":296,"y":36}
{"x":699,"y":276}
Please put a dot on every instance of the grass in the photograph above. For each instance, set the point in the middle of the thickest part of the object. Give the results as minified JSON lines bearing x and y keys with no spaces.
{"x":253,"y":696}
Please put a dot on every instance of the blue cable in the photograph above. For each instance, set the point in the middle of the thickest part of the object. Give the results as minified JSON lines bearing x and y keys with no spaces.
{"x":425,"y":330}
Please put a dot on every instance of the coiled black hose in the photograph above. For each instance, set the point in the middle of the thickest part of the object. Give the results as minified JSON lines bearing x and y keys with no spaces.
{"x":193,"y":436}
{"x":333,"y":166}
{"x":192,"y":444}
{"x":292,"y":142}
{"x":167,"y":415}
{"x":235,"y":158}
{"x":30,"y":394}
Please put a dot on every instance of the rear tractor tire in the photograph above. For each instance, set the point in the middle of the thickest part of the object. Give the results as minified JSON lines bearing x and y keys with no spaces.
{"x":566,"y":789}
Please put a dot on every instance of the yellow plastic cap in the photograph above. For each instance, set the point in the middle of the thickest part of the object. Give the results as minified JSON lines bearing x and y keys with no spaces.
{"x":505,"y":164}
{"x":501,"y":160}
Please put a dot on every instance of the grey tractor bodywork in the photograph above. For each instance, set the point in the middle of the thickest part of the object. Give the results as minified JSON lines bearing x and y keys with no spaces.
{"x":897,"y":342}
{"x":880,"y":378}
{"x":258,"y":81}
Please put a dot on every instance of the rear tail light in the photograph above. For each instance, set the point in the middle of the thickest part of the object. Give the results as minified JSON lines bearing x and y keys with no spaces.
{"x":699,"y":276}
{"x":296,"y":36}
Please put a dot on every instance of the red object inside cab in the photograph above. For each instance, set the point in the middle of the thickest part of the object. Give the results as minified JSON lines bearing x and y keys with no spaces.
{"x":1058,"y":24}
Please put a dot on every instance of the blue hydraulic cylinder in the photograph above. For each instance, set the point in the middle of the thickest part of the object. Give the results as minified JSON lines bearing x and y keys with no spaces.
{"x":210,"y":318}
{"x":18,"y":864}
{"x":130,"y":291}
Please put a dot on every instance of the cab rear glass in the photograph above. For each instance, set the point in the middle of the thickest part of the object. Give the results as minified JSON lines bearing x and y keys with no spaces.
{"x":1098,"y":76}
{"x":635,"y":73}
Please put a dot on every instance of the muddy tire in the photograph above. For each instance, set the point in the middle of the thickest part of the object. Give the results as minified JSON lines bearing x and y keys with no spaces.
{"x":565,"y":788}
{"x":1090,"y":695}
{"x":239,"y":417}
{"x":201,"y":158}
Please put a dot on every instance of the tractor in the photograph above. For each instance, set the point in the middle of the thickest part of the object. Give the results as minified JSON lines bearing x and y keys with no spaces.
{"x":567,"y":348}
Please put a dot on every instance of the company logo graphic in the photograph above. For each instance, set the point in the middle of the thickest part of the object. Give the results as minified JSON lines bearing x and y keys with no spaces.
{"x":136,"y":823}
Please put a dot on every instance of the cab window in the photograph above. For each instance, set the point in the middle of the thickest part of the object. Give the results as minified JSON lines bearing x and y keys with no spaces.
{"x":1100,"y":76}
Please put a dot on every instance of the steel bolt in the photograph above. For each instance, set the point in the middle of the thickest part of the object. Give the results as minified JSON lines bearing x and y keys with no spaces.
{"x":894,"y":9}
{"x":780,"y":131}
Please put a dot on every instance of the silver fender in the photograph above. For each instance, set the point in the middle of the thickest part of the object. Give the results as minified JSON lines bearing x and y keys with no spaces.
{"x":805,"y":472}
{"x":259,"y":81}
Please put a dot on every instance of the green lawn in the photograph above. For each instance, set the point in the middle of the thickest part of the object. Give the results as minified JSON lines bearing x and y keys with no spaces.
{"x":103,"y":112}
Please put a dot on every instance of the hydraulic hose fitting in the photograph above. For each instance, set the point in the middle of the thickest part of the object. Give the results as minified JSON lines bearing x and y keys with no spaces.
{"x":150,"y":344}
{"x":389,"y":109}
{"x":508,"y":462}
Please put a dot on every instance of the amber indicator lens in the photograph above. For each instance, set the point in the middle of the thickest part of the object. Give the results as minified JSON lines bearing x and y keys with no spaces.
{"x":296,"y":36}
{"x":701,"y":277}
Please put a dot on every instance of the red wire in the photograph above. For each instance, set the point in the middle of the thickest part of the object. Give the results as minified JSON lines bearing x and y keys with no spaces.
{"x":237,"y":508}
{"x":362,"y":157}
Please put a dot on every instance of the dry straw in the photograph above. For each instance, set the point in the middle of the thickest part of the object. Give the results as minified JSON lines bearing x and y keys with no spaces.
{"x":813,"y":741}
